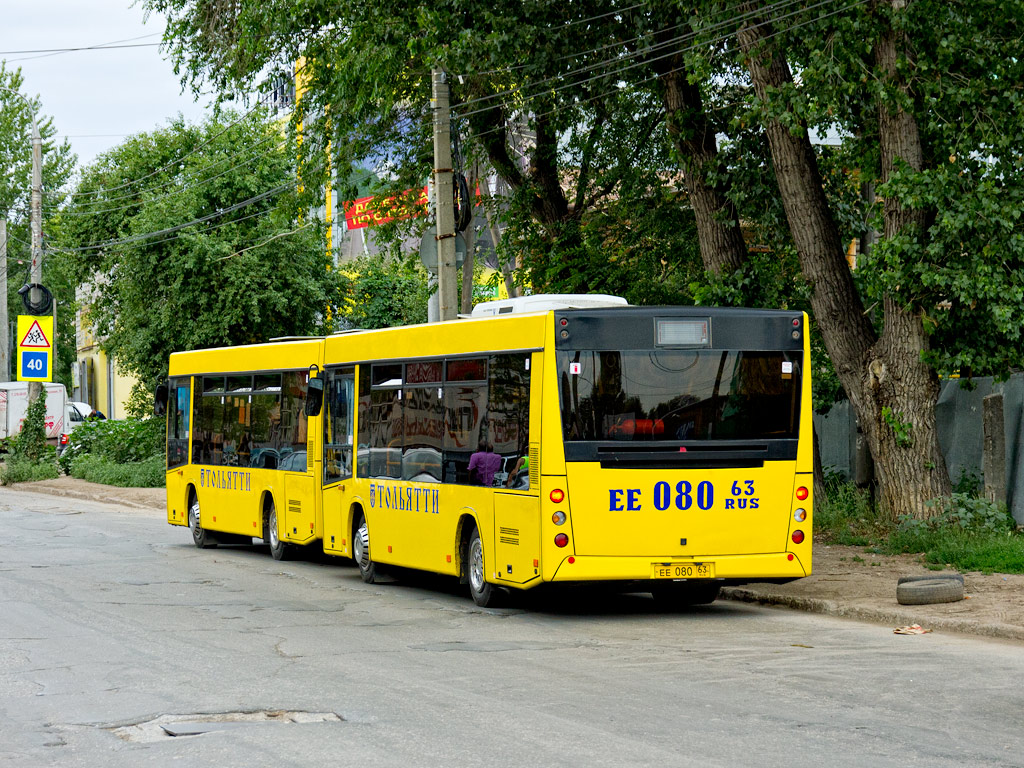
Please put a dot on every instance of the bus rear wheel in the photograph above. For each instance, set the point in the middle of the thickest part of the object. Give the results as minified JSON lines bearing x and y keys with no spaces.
{"x":202,"y":537}
{"x":361,"y":551}
{"x":683,"y":594}
{"x":278,"y":549}
{"x":483,"y":593}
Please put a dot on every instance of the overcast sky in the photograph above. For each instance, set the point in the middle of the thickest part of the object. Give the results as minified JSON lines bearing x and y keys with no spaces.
{"x":96,"y":98}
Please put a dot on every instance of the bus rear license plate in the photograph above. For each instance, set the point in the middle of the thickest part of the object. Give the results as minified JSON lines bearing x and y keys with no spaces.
{"x":683,"y":571}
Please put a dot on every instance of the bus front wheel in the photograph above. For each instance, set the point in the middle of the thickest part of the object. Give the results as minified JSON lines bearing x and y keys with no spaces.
{"x":361,"y":551}
{"x":483,"y":593}
{"x":202,"y":537}
{"x":278,"y":549}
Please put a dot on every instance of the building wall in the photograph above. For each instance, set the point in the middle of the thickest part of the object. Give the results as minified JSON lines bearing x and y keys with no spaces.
{"x":95,"y":377}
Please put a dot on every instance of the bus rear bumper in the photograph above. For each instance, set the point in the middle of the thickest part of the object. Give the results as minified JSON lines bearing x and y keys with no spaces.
{"x":735,"y":568}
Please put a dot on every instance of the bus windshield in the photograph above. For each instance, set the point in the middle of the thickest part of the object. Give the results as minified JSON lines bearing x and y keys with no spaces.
{"x":678,"y":395}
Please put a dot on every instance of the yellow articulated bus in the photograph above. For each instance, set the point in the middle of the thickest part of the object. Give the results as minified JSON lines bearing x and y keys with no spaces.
{"x":668,"y":448}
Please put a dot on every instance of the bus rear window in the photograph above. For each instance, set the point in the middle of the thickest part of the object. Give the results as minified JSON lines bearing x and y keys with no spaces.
{"x":679,"y":395}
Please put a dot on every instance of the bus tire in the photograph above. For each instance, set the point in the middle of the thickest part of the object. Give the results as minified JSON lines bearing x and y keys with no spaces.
{"x":483,"y":593}
{"x":683,"y":594}
{"x":202,"y":538}
{"x":278,"y":549}
{"x":361,"y":551}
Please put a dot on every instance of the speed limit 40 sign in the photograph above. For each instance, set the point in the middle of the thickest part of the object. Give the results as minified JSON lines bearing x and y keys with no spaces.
{"x":35,"y":348}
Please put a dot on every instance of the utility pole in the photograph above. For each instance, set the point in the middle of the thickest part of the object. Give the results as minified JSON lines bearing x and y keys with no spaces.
{"x":445,"y":200}
{"x":5,"y":342}
{"x":35,"y":388}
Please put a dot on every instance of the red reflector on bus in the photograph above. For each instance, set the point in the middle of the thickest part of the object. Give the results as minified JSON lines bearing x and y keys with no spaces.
{"x":561,"y":540}
{"x":798,"y":537}
{"x":790,"y":557}
{"x":557,"y":495}
{"x":801,"y":493}
{"x":572,"y":560}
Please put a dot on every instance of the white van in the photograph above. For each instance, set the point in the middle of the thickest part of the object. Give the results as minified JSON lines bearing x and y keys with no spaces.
{"x":14,"y":404}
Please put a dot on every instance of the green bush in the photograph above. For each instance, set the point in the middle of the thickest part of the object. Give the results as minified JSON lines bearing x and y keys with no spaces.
{"x":121,"y":442}
{"x":29,"y":457}
{"x":18,"y":470}
{"x":148,"y":473}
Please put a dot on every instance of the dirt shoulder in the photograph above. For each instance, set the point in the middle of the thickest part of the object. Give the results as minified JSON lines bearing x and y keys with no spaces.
{"x":847,"y":581}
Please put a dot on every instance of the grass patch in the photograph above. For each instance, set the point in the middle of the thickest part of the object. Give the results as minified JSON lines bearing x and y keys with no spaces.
{"x":25,"y":471}
{"x":149,"y":473}
{"x":966,"y":532}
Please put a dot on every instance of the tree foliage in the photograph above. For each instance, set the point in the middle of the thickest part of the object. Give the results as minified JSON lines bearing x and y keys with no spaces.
{"x":187,"y":237}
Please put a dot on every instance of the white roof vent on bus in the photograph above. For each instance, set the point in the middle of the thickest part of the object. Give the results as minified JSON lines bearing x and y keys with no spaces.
{"x":542,"y":302}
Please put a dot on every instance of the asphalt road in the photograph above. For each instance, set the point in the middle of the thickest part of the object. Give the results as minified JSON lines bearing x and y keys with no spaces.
{"x":112,"y":623}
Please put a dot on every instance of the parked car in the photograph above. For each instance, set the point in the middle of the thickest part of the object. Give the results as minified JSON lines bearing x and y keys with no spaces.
{"x":77,"y":413}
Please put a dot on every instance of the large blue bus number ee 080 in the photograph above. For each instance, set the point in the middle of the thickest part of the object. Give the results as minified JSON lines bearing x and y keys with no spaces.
{"x":682,"y":497}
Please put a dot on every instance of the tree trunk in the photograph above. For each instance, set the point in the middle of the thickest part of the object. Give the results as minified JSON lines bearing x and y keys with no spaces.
{"x":722,"y":247}
{"x":892,"y":392}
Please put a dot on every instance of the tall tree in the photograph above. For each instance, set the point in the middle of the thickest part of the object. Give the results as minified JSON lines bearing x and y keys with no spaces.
{"x":188,"y":237}
{"x":918,"y":89}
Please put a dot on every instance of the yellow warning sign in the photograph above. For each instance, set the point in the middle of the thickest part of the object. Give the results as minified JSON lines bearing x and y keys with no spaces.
{"x":35,"y":348}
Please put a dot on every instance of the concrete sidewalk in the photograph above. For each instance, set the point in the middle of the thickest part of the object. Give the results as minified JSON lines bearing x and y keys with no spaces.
{"x":846,"y":581}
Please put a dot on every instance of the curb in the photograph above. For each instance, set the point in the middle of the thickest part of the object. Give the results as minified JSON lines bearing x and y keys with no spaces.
{"x":875,"y":615}
{"x":81,"y":496}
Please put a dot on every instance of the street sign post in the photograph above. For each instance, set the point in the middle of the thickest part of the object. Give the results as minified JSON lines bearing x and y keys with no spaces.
{"x":35,"y":348}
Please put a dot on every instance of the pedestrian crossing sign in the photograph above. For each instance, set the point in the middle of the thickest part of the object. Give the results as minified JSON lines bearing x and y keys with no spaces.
{"x":35,"y":348}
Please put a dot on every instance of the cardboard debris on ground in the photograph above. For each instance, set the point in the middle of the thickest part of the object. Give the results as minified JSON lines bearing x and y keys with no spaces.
{"x":913,"y":629}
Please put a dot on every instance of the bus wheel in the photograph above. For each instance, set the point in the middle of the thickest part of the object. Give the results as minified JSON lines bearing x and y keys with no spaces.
{"x":361,"y":551}
{"x":684,"y":594}
{"x":278,"y":549}
{"x":483,"y":593}
{"x":202,"y":537}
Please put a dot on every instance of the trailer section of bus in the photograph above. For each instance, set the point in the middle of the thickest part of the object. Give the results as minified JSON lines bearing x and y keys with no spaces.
{"x":241,"y":452}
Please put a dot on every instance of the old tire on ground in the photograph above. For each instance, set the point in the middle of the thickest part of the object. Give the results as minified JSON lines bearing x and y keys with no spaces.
{"x":278,"y":549}
{"x":929,"y":591}
{"x":202,"y":537}
{"x":483,"y":593}
{"x":361,"y":551}
{"x":929,"y":577}
{"x":683,"y":594}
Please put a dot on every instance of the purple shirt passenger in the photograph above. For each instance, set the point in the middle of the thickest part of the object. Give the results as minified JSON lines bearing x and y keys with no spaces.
{"x":483,"y":464}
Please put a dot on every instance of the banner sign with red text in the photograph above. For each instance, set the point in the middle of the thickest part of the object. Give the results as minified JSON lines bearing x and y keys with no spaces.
{"x":362,"y":213}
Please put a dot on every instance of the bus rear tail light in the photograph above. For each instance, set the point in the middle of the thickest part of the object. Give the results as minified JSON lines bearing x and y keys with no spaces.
{"x":557,"y":495}
{"x":800,"y":515}
{"x":798,"y":537}
{"x":64,"y":439}
{"x":801,"y":493}
{"x":561,"y":540}
{"x":558,"y":518}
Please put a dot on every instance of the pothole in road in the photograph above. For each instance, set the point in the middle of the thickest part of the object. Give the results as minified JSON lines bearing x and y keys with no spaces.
{"x":176,"y":726}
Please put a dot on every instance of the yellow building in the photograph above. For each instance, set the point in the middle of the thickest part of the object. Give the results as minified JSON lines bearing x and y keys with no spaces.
{"x":95,"y":376}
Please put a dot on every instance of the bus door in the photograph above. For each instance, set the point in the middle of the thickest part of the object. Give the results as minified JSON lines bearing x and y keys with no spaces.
{"x":301,"y":486}
{"x":339,"y":425}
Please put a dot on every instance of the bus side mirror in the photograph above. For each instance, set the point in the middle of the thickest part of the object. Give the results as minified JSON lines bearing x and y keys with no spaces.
{"x":314,"y":396}
{"x":160,"y":400}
